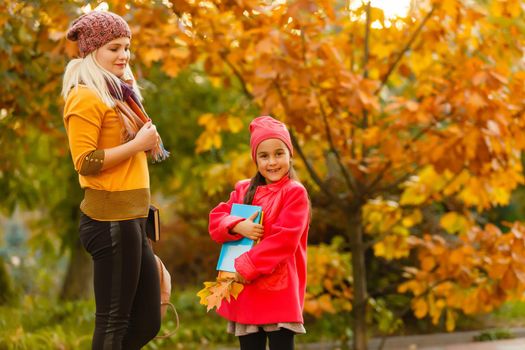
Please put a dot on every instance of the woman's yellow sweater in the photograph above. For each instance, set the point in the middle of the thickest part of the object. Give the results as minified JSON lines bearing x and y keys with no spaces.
{"x":120,"y":192}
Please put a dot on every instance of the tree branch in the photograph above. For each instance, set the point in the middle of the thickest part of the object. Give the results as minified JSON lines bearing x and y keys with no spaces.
{"x":407,"y":308}
{"x":365,"y":71}
{"x":237,"y":73}
{"x":313,"y":173}
{"x":367,"y":41}
{"x":350,"y":181}
{"x":381,"y":174}
{"x":223,"y":53}
{"x":404,"y":50}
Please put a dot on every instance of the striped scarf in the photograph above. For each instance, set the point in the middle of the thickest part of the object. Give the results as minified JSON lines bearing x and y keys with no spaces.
{"x":133,"y":116}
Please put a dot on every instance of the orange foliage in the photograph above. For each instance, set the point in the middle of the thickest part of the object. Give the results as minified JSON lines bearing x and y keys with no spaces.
{"x":329,"y":288}
{"x":473,"y":274}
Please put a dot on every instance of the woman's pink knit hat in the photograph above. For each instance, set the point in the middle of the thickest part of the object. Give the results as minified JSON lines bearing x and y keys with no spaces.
{"x":95,"y":29}
{"x":263,"y":128}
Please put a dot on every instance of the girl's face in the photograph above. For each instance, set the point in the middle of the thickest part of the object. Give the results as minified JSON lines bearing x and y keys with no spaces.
{"x":114,"y":56}
{"x":273,"y":160}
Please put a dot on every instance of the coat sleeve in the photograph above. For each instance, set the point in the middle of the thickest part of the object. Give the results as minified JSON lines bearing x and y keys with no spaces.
{"x":283,"y":239}
{"x":221,"y":221}
{"x":83,"y":121}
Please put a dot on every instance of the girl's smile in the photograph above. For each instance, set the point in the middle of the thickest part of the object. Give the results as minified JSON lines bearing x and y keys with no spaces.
{"x":273,"y":160}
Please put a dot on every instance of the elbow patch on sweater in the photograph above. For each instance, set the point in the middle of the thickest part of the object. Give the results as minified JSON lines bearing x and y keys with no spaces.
{"x":92,"y":163}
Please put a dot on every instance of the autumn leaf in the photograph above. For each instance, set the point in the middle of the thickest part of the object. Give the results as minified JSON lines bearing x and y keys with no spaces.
{"x":454,"y":222}
{"x":325,"y":303}
{"x":420,"y":307}
{"x":151,"y":55}
{"x":451,"y":320}
{"x":236,"y":289}
{"x":205,"y":292}
{"x":223,"y":288}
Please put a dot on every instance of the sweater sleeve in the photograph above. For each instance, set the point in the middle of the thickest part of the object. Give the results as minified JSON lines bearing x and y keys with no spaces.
{"x":221,"y":221}
{"x":83,"y":118}
{"x":283,"y":239}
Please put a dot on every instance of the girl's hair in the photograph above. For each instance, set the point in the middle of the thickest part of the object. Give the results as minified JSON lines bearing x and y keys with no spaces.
{"x":259,"y":180}
{"x":87,"y":71}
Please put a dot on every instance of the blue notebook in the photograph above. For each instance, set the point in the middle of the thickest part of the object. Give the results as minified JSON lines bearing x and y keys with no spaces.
{"x":233,"y":249}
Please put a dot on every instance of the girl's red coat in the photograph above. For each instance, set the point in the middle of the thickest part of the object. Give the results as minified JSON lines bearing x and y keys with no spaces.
{"x":276,"y":266}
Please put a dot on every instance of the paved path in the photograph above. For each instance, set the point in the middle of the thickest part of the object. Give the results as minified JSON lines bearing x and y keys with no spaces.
{"x":452,"y":341}
{"x":511,"y":344}
{"x":514,"y":344}
{"x":439,"y":341}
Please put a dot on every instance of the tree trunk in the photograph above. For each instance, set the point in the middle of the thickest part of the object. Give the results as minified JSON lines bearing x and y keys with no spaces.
{"x":6,"y":286}
{"x":355,"y":232}
{"x":78,"y":283}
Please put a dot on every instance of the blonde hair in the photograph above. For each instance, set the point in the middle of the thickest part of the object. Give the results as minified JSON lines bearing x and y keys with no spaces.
{"x":88,"y":72}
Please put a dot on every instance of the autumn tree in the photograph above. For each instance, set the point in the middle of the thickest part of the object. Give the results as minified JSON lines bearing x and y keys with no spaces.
{"x":410,"y":127}
{"x":400,"y":122}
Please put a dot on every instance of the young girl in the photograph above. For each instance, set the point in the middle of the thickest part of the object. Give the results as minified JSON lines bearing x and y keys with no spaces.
{"x":109,"y":134}
{"x":274,"y":271}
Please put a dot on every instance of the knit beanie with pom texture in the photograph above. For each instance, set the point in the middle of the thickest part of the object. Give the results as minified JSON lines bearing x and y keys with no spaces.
{"x":95,"y":29}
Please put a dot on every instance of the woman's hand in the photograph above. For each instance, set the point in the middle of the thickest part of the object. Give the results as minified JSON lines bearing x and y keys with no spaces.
{"x":147,"y":137}
{"x":248,"y":228}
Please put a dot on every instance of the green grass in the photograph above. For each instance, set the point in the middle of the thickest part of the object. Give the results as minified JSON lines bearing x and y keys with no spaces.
{"x":511,"y":312}
{"x":40,"y":323}
{"x":495,"y":334}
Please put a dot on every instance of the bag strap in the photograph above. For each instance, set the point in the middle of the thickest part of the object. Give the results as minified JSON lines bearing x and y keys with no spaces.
{"x":169,"y":334}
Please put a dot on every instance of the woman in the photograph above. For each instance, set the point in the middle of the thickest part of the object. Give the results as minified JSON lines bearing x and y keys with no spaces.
{"x":109,"y":135}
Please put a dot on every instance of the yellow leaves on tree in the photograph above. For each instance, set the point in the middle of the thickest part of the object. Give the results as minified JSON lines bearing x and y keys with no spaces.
{"x":454,"y":222}
{"x":481,"y":192}
{"x":392,"y":247}
{"x":213,"y":126}
{"x":505,"y":8}
{"x":224,"y":175}
{"x":329,"y":288}
{"x":387,"y":222}
{"x":152,"y":55}
{"x":425,"y":186}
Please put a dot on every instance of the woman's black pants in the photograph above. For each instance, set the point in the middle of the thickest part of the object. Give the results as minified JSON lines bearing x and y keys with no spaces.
{"x":126,"y":281}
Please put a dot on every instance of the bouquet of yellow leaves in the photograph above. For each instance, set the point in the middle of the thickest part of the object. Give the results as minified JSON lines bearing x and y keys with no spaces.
{"x":224,"y":287}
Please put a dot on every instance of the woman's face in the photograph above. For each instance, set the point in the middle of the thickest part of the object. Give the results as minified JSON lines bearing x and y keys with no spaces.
{"x":114,"y":56}
{"x":273,"y":160}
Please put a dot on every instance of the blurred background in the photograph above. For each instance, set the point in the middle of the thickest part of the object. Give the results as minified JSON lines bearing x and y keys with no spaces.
{"x":407,"y":119}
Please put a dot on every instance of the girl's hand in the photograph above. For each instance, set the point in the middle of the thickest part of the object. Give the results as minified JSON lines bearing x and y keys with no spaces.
{"x":238,"y":278}
{"x":248,"y":228}
{"x":147,"y":137}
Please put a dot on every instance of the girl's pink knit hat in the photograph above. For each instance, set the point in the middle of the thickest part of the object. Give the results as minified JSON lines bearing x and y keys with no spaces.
{"x":263,"y":128}
{"x":95,"y":29}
